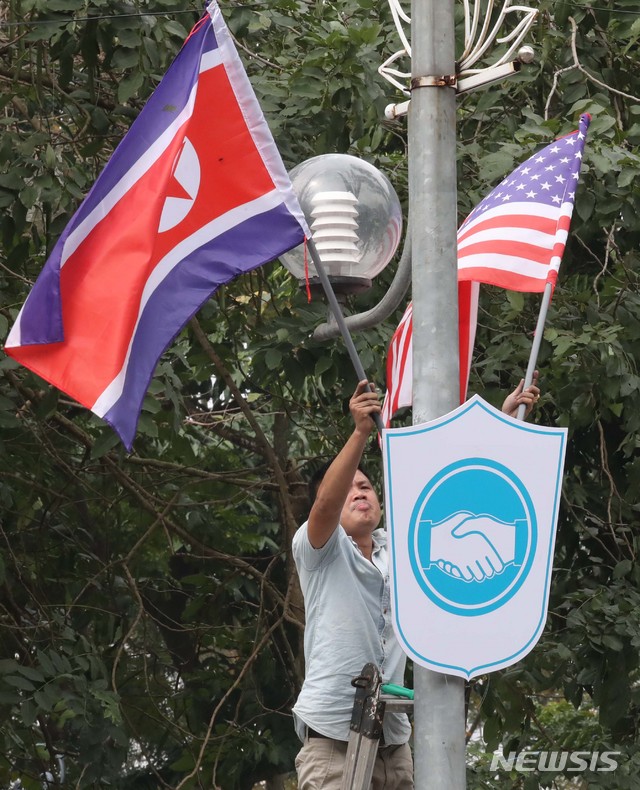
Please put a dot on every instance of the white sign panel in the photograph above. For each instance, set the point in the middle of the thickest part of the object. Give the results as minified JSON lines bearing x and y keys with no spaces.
{"x":471,"y":506}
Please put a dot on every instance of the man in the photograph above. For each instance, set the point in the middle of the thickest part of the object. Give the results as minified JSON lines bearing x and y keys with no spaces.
{"x":341,"y":557}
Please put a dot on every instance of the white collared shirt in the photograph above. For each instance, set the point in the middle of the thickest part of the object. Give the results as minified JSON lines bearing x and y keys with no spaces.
{"x":348,"y":625}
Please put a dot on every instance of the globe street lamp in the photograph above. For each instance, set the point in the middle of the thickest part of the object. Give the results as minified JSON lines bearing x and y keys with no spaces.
{"x":355,"y":218}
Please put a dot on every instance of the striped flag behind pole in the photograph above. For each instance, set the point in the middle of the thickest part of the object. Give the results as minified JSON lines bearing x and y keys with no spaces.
{"x":514,"y":239}
{"x":398,"y":362}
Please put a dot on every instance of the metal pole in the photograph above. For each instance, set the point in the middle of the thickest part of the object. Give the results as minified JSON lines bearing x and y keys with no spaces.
{"x":439,"y":735}
{"x":537,"y":339}
{"x":337,"y":314}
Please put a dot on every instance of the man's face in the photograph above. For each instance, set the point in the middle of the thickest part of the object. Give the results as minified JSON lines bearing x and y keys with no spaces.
{"x":361,"y":512}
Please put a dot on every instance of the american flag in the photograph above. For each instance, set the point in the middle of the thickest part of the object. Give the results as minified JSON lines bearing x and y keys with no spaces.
{"x":514,"y":238}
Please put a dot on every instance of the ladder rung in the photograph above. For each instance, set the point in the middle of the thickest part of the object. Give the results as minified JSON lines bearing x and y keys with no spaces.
{"x":397,"y":704}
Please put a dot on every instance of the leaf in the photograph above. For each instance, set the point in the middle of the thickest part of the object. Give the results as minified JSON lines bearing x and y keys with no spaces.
{"x":106,"y":442}
{"x":273,"y":359}
{"x":151,"y":48}
{"x":622,"y":569}
{"x":147,"y":426}
{"x":45,"y":699}
{"x":129,"y":86}
{"x":31,"y":673}
{"x":612,"y":642}
{"x":634,"y":35}
{"x":585,"y":204}
{"x":29,"y":195}
{"x":99,"y":120}
{"x":322,"y":365}
{"x":494,"y":166}
{"x":9,"y":698}
{"x":125,"y":58}
{"x":45,"y":663}
{"x":14,"y":179}
{"x":61,"y":663}
{"x":19,"y":682}
{"x":29,"y":712}
{"x":516,"y":300}
{"x":151,"y":404}
{"x":8,"y":665}
{"x":614,"y":695}
{"x":65,"y":5}
{"x":492,"y":733}
{"x":628,"y":175}
{"x":174,"y":28}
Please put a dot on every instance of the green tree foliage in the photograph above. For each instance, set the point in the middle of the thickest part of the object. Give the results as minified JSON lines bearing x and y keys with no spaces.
{"x":150,"y":620}
{"x":589,"y":652}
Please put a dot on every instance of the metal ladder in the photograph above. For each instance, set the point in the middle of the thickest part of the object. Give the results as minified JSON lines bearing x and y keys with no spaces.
{"x":372,"y":699}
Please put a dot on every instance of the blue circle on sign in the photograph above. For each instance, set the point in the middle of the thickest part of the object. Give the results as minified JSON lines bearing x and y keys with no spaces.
{"x":472,"y":536}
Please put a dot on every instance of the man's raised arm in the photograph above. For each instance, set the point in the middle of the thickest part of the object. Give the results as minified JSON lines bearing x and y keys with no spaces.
{"x":334,"y":488}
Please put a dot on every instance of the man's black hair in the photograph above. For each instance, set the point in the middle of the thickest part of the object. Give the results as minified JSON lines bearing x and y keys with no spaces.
{"x":317,"y":477}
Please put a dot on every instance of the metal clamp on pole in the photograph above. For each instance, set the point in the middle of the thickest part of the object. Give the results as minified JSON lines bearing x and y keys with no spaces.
{"x":443,"y":81}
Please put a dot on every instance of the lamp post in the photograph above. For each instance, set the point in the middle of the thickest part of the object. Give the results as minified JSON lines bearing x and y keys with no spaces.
{"x":356,"y":222}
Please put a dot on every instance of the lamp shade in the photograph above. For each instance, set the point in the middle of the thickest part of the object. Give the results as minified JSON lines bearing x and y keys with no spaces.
{"x":355,"y":218}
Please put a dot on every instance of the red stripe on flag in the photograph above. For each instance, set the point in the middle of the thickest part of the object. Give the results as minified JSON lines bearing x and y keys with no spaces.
{"x":520,"y":249}
{"x":403,"y":352}
{"x":542,"y":224}
{"x":398,"y":360}
{"x":512,"y":281}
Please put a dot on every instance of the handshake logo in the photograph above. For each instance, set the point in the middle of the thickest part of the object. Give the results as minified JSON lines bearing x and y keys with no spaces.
{"x":473,"y":548}
{"x":472,"y":536}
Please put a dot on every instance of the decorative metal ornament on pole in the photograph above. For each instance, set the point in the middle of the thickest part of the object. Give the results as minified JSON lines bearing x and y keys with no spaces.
{"x":481,"y":28}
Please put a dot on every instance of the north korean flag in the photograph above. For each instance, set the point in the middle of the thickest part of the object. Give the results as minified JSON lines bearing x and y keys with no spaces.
{"x":194,"y":195}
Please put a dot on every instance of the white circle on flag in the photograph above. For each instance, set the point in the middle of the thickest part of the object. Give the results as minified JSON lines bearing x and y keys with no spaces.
{"x":184,"y":183}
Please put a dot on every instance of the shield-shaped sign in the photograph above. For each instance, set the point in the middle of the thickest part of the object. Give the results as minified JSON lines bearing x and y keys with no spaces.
{"x":471,"y":505}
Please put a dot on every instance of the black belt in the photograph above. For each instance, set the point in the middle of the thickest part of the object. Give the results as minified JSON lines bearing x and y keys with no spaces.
{"x":313,"y":734}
